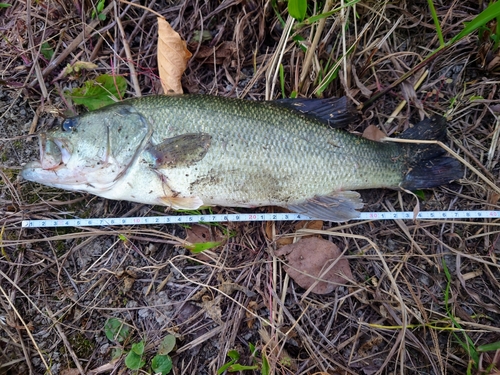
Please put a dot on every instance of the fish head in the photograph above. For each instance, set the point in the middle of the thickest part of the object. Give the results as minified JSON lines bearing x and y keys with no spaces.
{"x":92,"y":151}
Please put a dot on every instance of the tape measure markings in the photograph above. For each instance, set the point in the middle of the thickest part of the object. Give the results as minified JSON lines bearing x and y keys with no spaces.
{"x":252,"y":217}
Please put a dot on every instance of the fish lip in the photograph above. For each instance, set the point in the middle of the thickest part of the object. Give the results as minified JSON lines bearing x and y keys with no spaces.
{"x":54,"y":152}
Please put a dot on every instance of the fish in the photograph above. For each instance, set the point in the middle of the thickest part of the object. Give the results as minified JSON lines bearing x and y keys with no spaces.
{"x":193,"y":151}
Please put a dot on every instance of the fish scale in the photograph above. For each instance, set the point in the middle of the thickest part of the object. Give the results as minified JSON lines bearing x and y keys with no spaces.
{"x":276,"y":142}
{"x":199,"y":150}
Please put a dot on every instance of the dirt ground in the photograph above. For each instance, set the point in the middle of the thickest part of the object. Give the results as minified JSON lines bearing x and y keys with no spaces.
{"x":424,"y":297}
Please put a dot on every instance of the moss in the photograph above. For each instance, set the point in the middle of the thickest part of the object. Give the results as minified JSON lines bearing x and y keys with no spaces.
{"x":81,"y":345}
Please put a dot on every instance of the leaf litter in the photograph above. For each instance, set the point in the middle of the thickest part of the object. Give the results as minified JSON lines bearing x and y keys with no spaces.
{"x":390,"y":319}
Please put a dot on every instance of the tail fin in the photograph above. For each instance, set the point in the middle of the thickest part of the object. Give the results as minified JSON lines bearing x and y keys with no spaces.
{"x":427,"y":165}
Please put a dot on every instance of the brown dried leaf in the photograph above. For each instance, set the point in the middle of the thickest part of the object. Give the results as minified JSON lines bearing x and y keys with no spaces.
{"x":212,"y":308}
{"x":309,"y":258}
{"x":224,"y":51}
{"x":198,"y":234}
{"x":251,"y":308}
{"x":172,"y":57}
{"x":70,"y":371}
{"x":373,"y":133}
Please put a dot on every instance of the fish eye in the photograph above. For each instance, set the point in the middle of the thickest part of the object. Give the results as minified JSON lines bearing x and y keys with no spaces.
{"x":69,"y":124}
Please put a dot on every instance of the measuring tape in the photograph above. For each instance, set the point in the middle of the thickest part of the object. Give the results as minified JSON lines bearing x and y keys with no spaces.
{"x":221,"y":218}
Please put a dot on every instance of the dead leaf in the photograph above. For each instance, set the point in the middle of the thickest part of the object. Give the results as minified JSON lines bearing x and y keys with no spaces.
{"x":172,"y":57}
{"x":198,"y":234}
{"x":251,"y":308}
{"x":309,"y":258}
{"x":212,"y":308}
{"x":218,"y":54}
{"x":70,"y":371}
{"x":310,"y":224}
{"x":373,"y":133}
{"x":128,"y":277}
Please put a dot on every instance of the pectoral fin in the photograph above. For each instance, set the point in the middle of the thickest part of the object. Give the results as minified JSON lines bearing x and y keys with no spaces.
{"x":337,"y":207}
{"x":180,"y":151}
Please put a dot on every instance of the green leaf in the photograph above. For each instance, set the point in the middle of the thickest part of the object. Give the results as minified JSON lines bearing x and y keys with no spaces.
{"x":102,"y":91}
{"x":161,"y":364}
{"x":100,"y":5}
{"x":489,"y":347}
{"x":116,"y":353}
{"x":238,"y":367}
{"x":436,"y":22}
{"x":224,"y":367}
{"x":297,"y":9}
{"x":134,"y":361}
{"x":233,"y":354}
{"x":4,"y":5}
{"x":202,"y":246}
{"x":420,"y":194}
{"x":115,"y":330}
{"x":266,"y":369}
{"x":167,"y":345}
{"x":491,"y":12}
{"x":138,"y":348}
{"x":47,"y":51}
{"x":252,"y":348}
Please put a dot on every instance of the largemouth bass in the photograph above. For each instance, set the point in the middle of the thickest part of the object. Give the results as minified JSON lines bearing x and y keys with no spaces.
{"x":197,"y":150}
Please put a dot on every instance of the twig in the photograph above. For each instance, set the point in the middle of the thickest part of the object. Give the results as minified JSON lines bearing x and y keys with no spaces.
{"x":65,"y":341}
{"x":312,"y":48}
{"x":277,"y":57}
{"x":130,"y":60}
{"x":28,"y":332}
{"x":71,"y":47}
{"x":38,"y":70}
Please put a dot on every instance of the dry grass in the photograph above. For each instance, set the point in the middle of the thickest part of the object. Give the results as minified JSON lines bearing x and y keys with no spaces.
{"x":58,"y":287}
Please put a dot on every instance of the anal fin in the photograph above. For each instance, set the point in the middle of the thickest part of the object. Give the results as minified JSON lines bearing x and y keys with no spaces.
{"x":182,"y":203}
{"x":338,"y":207}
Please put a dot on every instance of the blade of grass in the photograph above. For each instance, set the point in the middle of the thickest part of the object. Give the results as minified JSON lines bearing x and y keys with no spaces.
{"x":468,"y":346}
{"x":436,"y":22}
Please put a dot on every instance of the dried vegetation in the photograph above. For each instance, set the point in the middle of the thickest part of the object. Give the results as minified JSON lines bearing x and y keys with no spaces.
{"x":399,"y":314}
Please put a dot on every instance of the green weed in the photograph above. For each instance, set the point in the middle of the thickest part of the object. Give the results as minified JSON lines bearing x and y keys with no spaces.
{"x":98,"y":11}
{"x":117,"y":332}
{"x":258,"y":363}
{"x":102,"y":91}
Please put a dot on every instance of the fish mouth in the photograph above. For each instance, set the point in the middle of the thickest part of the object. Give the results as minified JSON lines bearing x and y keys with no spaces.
{"x":53,"y":152}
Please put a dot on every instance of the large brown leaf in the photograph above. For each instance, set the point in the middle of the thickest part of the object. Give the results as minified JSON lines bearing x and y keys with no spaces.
{"x":172,"y":58}
{"x":311,"y":258}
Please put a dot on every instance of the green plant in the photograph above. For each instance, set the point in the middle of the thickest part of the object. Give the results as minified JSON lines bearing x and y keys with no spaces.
{"x":480,"y":21}
{"x":297,"y":9}
{"x":102,"y":91}
{"x":98,"y":11}
{"x":234,"y":366}
{"x":117,"y":332}
{"x":468,"y":344}
{"x":47,"y":50}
